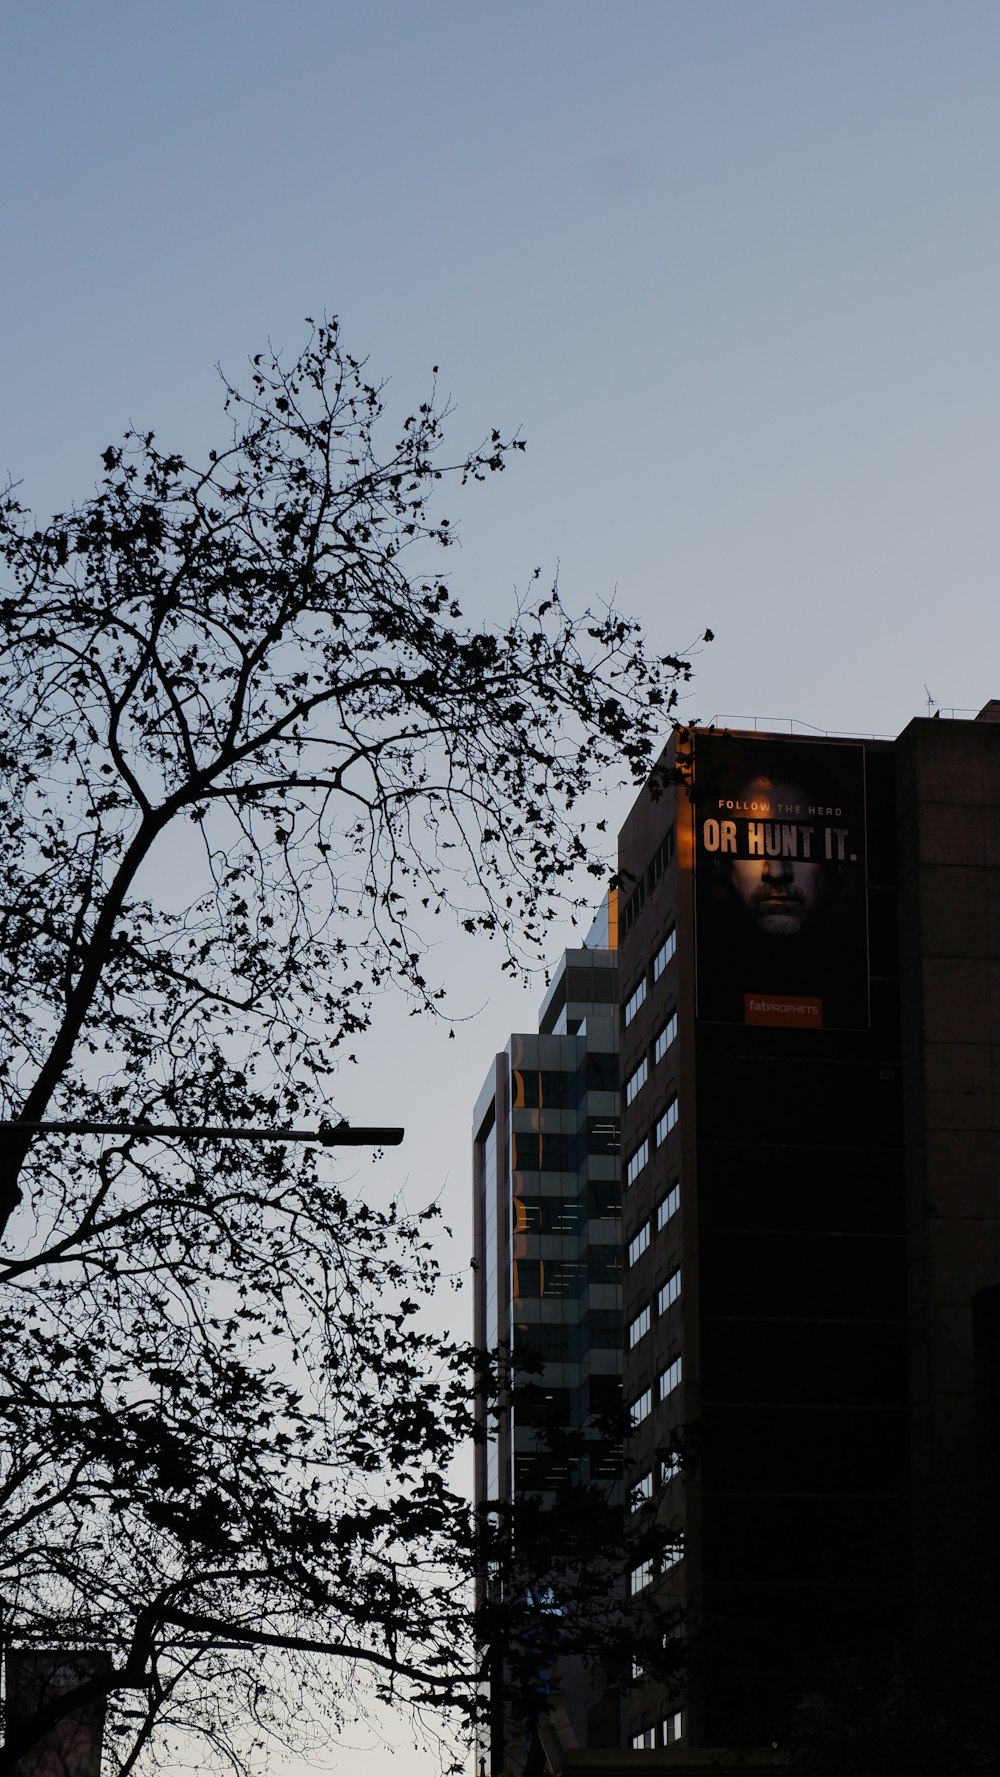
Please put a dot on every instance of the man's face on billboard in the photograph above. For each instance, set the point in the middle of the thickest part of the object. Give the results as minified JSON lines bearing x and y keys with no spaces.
{"x":781,"y":895}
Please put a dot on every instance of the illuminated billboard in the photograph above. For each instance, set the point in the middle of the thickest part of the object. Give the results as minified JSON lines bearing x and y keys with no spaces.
{"x":780,"y":884}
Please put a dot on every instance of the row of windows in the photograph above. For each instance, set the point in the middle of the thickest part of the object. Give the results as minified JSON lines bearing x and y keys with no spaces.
{"x":535,"y":1150}
{"x":636,"y":1081}
{"x":634,"y":1001}
{"x":667,"y":1122}
{"x":566,"y":1342}
{"x":670,"y":1292}
{"x":647,"y":1571}
{"x":664,"y":1038}
{"x":566,"y":1215}
{"x":667,"y":949}
{"x":646,"y":884}
{"x":668,"y":1380}
{"x":671,"y":1730}
{"x":639,"y":1156}
{"x":558,"y":1089}
{"x":641,"y":1490}
{"x":640,"y":1326}
{"x":637,"y":1161}
{"x":662,"y":956}
{"x":665,"y":1210}
{"x":566,"y":1277}
{"x":662,"y":1041}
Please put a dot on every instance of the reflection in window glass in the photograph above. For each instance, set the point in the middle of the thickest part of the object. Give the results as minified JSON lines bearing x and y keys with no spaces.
{"x":639,"y":1327}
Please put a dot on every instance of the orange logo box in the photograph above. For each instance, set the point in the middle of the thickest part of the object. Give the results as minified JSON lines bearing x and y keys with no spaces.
{"x":782,"y":1008}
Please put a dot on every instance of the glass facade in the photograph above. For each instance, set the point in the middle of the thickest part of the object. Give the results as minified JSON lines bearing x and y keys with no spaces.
{"x":549,"y":1238}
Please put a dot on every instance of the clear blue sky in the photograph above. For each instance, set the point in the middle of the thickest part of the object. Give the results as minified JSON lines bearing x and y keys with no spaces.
{"x":731,"y":265}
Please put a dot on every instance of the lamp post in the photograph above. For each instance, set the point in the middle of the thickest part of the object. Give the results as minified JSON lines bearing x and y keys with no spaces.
{"x":336,"y":1135}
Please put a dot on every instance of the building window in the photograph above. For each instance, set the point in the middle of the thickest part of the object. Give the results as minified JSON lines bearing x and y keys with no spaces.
{"x":641,"y":1408}
{"x":637,"y":1246}
{"x":670,"y":1468}
{"x":670,"y":1378}
{"x":639,"y":1326}
{"x":641,"y":1490}
{"x":667,"y":1207}
{"x":664,"y":1038}
{"x":666,"y":951}
{"x":672,"y":1727}
{"x":661,"y":858}
{"x":640,"y":1577}
{"x":637,"y":1161}
{"x":667,"y":1122}
{"x":672,"y":1553}
{"x":634,"y":1001}
{"x":644,"y":1741}
{"x":670,"y":1292}
{"x":636,"y":1081}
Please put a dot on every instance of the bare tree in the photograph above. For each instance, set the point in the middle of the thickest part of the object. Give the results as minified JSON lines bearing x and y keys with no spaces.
{"x":249,"y":747}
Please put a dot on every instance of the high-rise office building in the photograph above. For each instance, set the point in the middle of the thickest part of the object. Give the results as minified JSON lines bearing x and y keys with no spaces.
{"x":548,"y":1248}
{"x":809,"y":975}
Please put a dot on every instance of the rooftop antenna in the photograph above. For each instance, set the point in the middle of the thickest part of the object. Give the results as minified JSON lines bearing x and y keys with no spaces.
{"x":931,"y":711}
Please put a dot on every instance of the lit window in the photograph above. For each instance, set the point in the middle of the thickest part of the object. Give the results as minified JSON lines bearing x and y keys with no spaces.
{"x":670,"y":1468}
{"x":638,"y":1327}
{"x":641,"y":1408}
{"x":640,"y":1577}
{"x":638,"y":1245}
{"x":668,"y":1206}
{"x":634,"y":1001}
{"x":669,"y":1293}
{"x":672,"y":1727}
{"x":664,"y":1038}
{"x":663,"y":955}
{"x":672,"y":1553}
{"x":636,"y":1081}
{"x":637,"y":1161}
{"x":641,"y":1490}
{"x":667,"y":1122}
{"x":644,"y":1741}
{"x":670,"y":1378}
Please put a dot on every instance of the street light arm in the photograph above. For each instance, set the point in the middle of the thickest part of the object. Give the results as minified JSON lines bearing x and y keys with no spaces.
{"x":339,"y":1135}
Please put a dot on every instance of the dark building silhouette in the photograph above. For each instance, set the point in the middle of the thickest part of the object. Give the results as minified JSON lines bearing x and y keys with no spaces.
{"x":548,"y":1251}
{"x":809,"y":970}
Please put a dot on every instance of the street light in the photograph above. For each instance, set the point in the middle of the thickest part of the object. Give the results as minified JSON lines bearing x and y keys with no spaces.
{"x":337,"y":1135}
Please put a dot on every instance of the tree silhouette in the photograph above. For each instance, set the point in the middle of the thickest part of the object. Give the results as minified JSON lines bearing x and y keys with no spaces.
{"x":250,"y":749}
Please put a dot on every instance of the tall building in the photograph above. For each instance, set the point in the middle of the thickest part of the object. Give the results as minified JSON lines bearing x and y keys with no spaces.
{"x":810,"y":968}
{"x":809,"y":1020}
{"x":548,"y":1250}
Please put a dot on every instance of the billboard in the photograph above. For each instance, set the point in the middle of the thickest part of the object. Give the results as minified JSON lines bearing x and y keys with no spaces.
{"x":780,"y":882}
